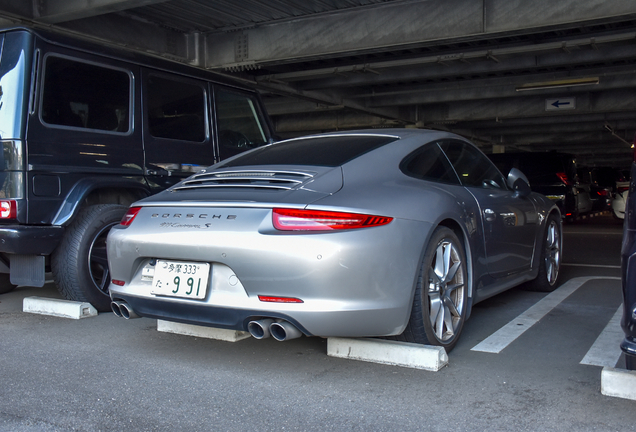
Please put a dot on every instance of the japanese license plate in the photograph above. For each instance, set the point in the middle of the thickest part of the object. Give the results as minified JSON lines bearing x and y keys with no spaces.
{"x":180,"y":279}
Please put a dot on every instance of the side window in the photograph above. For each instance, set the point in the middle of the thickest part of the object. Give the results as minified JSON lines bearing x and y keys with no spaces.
{"x":240,"y":125}
{"x":176,"y":109}
{"x":472,"y":166}
{"x":429,"y":163}
{"x":85,"y":95}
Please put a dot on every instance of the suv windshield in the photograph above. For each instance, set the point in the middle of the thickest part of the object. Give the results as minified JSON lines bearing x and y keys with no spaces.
{"x":329,"y":151}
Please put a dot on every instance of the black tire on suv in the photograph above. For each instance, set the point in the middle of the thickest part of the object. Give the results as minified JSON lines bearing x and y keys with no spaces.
{"x":79,"y":264}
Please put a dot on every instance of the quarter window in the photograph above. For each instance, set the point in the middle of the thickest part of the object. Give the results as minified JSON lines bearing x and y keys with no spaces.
{"x":429,"y":163}
{"x":472,"y":166}
{"x":85,"y":95}
{"x":240,"y":125}
{"x":176,"y":109}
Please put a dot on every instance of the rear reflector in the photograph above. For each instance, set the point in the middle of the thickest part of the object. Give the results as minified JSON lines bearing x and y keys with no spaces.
{"x":272,"y":299}
{"x":317,"y":220}
{"x":8,"y":209}
{"x":118,"y":282}
{"x":129,"y":216}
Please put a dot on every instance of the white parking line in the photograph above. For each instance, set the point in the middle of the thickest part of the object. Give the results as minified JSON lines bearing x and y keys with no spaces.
{"x":503,"y":337}
{"x":605,"y":351}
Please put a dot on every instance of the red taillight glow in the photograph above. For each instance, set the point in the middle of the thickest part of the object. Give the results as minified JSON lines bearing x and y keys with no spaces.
{"x":317,"y":220}
{"x":8,"y":209}
{"x":118,"y":282}
{"x":272,"y":299}
{"x":129,"y":216}
{"x":602,"y":192}
{"x":564,"y":178}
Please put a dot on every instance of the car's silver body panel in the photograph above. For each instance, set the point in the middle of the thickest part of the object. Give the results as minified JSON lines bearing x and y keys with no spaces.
{"x":352,"y":282}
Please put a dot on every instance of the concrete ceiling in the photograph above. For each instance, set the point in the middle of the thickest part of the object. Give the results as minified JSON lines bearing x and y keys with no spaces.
{"x":509,"y":74}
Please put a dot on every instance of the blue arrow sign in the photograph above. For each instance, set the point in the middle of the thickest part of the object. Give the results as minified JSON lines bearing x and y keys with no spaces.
{"x":560,"y":104}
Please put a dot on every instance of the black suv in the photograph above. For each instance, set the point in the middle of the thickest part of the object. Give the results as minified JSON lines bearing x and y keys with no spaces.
{"x":86,"y":130}
{"x":552,"y":174}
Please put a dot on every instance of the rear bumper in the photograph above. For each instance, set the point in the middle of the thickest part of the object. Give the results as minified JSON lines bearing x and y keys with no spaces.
{"x":29,"y":240}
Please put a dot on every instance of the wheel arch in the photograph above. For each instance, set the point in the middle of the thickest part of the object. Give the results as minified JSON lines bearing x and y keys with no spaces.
{"x":92,"y":191}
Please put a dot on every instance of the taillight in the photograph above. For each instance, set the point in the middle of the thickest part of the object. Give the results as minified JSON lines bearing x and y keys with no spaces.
{"x":129,"y":216}
{"x":602,"y":192}
{"x":564,"y":178}
{"x":8,"y":209}
{"x":317,"y":220}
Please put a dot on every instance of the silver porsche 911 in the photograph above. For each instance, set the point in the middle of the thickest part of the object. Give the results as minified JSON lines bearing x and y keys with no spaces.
{"x":395,"y":233}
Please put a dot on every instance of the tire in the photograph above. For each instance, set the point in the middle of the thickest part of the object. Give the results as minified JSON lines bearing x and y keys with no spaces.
{"x":5,"y":283}
{"x":440,"y":300}
{"x":79,"y":264}
{"x":550,"y":261}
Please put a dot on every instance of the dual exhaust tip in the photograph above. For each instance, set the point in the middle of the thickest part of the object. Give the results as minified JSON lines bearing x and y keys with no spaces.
{"x":122,"y":310}
{"x":260,"y":329}
{"x":278,"y":329}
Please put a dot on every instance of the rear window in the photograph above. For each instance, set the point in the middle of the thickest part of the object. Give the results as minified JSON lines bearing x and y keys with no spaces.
{"x":329,"y":151}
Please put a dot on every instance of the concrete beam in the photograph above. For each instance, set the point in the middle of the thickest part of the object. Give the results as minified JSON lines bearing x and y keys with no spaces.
{"x":400,"y":25}
{"x":494,"y":109}
{"x":58,"y":11}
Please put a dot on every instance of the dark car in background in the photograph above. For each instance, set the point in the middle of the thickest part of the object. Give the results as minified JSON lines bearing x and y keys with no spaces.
{"x":552,"y":174}
{"x":600,"y":192}
{"x":628,"y":277}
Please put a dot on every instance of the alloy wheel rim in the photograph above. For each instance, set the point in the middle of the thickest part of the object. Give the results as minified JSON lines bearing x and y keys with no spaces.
{"x":98,"y":260}
{"x":552,"y":253}
{"x":446,"y":285}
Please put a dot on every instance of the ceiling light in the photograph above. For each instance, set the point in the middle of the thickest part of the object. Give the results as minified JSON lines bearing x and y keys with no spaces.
{"x":574,"y":82}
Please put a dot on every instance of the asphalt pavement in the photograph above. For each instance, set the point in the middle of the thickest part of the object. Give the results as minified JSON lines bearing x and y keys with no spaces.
{"x":109,"y":374}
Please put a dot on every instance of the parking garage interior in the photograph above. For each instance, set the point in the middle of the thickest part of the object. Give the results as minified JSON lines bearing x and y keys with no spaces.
{"x":510,"y":75}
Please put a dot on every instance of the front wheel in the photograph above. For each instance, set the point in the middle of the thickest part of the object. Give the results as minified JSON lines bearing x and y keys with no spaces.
{"x":440,"y":300}
{"x":550,"y":261}
{"x":79,"y":264}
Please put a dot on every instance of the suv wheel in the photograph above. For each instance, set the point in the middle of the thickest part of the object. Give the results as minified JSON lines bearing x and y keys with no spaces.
{"x":79,"y":264}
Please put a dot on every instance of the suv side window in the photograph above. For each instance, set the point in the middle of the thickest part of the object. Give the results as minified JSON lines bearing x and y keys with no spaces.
{"x":472,"y":166}
{"x":429,"y":163}
{"x":240,"y":125}
{"x":176,"y":109}
{"x":85,"y":95}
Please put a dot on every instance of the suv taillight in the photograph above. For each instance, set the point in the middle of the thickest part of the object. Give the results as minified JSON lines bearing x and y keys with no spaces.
{"x":8,"y":209}
{"x":564,"y":178}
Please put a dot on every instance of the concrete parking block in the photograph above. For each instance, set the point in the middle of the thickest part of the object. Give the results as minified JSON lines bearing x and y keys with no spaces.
{"x":618,"y":383}
{"x":389,"y":352}
{"x":201,"y":331}
{"x":58,"y":307}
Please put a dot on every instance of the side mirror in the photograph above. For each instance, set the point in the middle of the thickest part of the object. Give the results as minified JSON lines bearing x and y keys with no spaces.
{"x":518,"y":182}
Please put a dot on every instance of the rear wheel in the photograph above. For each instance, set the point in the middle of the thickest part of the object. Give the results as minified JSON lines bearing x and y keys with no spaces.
{"x":5,"y":283}
{"x":440,"y":301}
{"x":546,"y":280}
{"x":80,"y":264}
